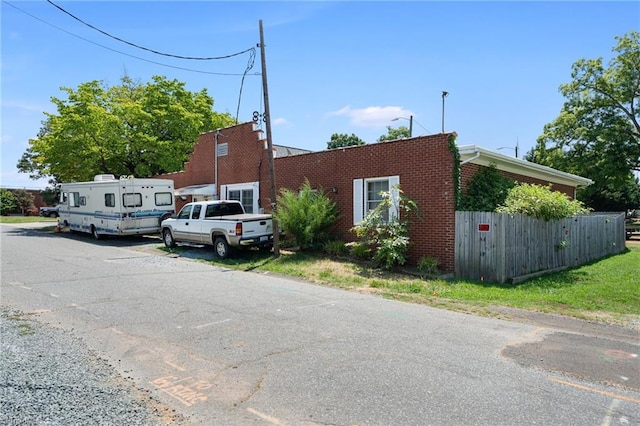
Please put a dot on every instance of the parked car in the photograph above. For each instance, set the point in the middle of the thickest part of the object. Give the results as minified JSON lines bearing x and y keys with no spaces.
{"x":49,"y":211}
{"x":221,"y":224}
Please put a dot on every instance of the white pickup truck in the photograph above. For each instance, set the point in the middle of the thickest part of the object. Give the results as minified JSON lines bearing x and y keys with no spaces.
{"x":222,"y":224}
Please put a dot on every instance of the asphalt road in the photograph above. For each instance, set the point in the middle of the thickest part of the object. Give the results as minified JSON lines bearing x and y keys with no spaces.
{"x":230,"y":347}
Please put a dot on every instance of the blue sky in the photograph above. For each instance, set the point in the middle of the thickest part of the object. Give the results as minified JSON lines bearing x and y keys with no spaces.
{"x":332,"y":67}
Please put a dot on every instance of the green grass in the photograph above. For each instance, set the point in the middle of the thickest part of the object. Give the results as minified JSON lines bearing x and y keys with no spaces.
{"x":26,"y":219}
{"x":607,"y":290}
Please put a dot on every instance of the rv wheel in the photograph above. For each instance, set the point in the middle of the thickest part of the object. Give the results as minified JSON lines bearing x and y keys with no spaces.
{"x":168,"y":238}
{"x":221,"y":247}
{"x":164,"y":217}
{"x":94,"y":232}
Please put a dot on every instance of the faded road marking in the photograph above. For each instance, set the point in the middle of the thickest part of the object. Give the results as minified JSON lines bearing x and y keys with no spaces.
{"x":189,"y":394}
{"x":265,"y":417}
{"x":317,"y":305}
{"x":212,"y":323}
{"x":594,"y":390}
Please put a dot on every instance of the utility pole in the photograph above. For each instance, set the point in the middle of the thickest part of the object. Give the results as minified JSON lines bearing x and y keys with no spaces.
{"x":272,"y":172}
{"x":444,"y":95}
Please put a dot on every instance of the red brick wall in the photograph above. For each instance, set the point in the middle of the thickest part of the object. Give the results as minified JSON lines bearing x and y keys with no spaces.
{"x":425,"y":167}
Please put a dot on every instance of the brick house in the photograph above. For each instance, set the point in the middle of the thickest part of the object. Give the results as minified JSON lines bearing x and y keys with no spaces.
{"x":423,"y":166}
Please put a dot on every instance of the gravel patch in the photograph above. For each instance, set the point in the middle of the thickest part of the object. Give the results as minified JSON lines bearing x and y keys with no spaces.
{"x":49,"y":377}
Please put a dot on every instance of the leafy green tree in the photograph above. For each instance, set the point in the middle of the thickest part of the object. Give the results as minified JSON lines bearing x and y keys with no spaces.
{"x":597,"y":134}
{"x":50,"y":196}
{"x":394,"y":134}
{"x":387,"y":239}
{"x":24,"y":200}
{"x":341,"y":140}
{"x":130,"y":129}
{"x":540,"y":202}
{"x":486,"y":190}
{"x":8,"y":202}
{"x":307,"y":215}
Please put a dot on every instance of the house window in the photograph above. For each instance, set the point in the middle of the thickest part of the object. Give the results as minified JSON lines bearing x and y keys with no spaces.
{"x":132,"y":200}
{"x":245,"y":196}
{"x":247,"y":193}
{"x":109,"y":200}
{"x":366,"y":196}
{"x":374,"y":196}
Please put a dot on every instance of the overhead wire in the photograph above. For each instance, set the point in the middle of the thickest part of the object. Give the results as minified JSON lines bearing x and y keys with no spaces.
{"x":119,"y":51}
{"x":250,"y":62}
{"x":197,"y":58}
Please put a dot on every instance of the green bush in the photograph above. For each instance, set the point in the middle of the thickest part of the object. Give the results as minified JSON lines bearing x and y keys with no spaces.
{"x":486,"y":191}
{"x":8,"y":202}
{"x":306,"y":215}
{"x":336,"y":248}
{"x":359,"y":250}
{"x":388,"y":240}
{"x":428,"y":265}
{"x":540,"y":202}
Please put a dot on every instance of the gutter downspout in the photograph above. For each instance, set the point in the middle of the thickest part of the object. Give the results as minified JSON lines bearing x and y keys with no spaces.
{"x":470,"y":158}
{"x":215,"y":178}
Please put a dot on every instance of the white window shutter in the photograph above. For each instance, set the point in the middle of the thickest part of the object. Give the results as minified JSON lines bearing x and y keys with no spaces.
{"x":255,"y":186}
{"x":395,"y":196}
{"x":358,"y":201}
{"x":223,"y":192}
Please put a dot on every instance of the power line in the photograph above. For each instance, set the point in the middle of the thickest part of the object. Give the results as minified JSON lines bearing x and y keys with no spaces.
{"x":197,"y":58}
{"x":123,"y":53}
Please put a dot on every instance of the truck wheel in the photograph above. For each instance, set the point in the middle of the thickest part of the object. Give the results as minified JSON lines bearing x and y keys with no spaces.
{"x":167,"y":237}
{"x":94,"y":232}
{"x":221,"y":247}
{"x":53,"y":214}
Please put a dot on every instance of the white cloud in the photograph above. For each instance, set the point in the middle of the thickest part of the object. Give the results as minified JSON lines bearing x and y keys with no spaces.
{"x":280,"y":122}
{"x":373,"y":116}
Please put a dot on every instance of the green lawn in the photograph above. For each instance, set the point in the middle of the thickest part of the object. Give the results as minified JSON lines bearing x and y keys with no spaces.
{"x":607,"y":290}
{"x":26,"y":219}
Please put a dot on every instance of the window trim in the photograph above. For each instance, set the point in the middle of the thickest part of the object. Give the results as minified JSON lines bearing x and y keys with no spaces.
{"x":360,"y":197}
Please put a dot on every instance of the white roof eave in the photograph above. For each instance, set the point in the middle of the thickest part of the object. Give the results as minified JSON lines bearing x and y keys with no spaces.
{"x":484,"y":157}
{"x":204,"y":189}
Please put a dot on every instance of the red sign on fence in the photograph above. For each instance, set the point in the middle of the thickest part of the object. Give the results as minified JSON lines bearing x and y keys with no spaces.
{"x":483,"y":227}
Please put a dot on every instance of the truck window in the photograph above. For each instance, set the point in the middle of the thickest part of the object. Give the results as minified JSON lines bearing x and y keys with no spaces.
{"x":224,"y":209}
{"x":184,"y":213}
{"x":109,"y":200}
{"x":83,"y":200}
{"x":195,"y":214}
{"x":132,"y":200}
{"x":164,"y":199}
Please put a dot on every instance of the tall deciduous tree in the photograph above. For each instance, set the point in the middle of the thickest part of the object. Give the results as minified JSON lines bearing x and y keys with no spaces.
{"x":130,"y":129}
{"x":597,"y":134}
{"x":341,"y":140}
{"x":394,"y":134}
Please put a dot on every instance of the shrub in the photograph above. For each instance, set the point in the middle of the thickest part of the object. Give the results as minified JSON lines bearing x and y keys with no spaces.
{"x":540,"y":202}
{"x":428,"y":265}
{"x":388,"y":240}
{"x":336,"y":248}
{"x":486,"y":191}
{"x":307,"y":216}
{"x":359,"y":250}
{"x":8,"y":202}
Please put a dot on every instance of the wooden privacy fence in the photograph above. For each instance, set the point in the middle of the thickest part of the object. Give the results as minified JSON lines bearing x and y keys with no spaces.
{"x":500,"y":247}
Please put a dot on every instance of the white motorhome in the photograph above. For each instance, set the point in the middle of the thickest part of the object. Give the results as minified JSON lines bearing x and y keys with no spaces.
{"x":110,"y":206}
